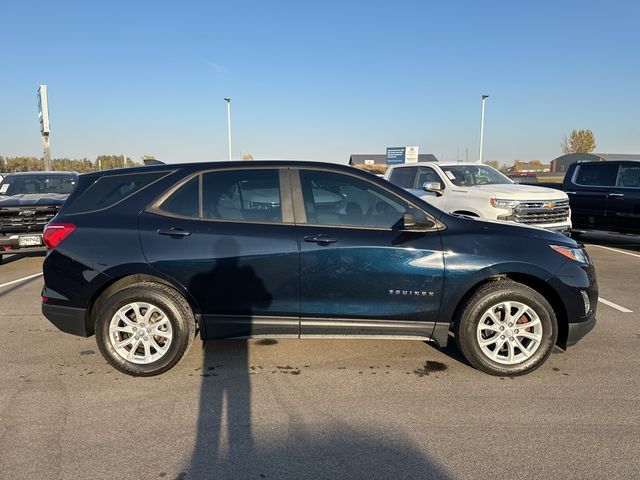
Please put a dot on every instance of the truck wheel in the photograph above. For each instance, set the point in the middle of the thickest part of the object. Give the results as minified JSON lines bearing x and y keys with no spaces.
{"x":0,"y":258}
{"x":145,"y":329}
{"x":506,"y":329}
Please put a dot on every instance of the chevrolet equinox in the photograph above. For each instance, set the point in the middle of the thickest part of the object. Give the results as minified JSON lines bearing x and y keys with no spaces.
{"x":146,"y":257}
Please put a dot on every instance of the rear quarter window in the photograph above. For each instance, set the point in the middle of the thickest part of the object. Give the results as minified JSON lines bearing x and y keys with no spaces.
{"x":109,"y":190}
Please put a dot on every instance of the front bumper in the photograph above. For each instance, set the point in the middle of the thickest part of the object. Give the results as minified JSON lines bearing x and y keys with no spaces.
{"x":579,"y":330}
{"x":12,"y":243}
{"x":574,"y":282}
{"x":68,"y":319}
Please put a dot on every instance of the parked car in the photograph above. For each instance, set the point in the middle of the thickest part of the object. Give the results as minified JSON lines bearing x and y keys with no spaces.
{"x":604,"y":195}
{"x":144,"y":257}
{"x":481,"y":191}
{"x":28,"y":201}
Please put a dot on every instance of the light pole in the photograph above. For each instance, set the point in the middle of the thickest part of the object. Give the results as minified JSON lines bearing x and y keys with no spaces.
{"x":43,"y":117}
{"x":484,"y":98}
{"x":228,"y":100}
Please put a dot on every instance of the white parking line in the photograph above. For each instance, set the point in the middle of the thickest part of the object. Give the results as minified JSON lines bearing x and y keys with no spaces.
{"x":614,"y":305}
{"x":21,"y":279}
{"x":614,"y":250}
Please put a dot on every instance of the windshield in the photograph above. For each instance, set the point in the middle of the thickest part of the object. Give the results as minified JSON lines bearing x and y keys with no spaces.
{"x":38,"y":183}
{"x":471,"y":175}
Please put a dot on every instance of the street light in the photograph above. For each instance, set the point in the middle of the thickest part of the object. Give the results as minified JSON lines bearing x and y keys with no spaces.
{"x":228,"y":100}
{"x":484,"y":98}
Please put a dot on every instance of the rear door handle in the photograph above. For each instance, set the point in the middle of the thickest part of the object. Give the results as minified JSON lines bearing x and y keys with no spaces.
{"x":618,"y":195}
{"x":174,"y":232}
{"x":320,"y":239}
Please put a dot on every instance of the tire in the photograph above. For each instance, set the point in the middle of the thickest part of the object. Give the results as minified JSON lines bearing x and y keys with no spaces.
{"x":495,"y":345}
{"x":0,"y":259}
{"x":145,"y":329}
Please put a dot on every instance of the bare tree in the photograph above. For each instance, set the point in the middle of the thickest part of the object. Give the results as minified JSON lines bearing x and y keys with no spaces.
{"x":493,"y":163}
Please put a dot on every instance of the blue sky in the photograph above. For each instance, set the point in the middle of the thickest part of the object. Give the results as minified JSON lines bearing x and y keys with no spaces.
{"x":319,"y":80}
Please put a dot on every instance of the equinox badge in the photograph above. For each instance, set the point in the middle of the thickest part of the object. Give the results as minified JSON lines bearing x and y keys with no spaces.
{"x":410,"y":293}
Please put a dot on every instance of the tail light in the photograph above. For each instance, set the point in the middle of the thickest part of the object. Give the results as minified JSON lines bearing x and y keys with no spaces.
{"x":54,"y":233}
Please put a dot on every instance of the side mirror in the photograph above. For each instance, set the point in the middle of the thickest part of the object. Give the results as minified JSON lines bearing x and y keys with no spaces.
{"x":415,"y":219}
{"x":433,"y":187}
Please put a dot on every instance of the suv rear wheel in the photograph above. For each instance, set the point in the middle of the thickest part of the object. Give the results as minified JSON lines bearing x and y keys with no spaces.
{"x":145,"y":329}
{"x":506,"y":328}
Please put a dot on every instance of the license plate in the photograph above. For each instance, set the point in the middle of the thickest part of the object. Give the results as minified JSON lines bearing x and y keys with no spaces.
{"x":30,"y":241}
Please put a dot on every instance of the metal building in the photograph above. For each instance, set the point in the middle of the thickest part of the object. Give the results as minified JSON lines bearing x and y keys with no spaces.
{"x":561,"y":164}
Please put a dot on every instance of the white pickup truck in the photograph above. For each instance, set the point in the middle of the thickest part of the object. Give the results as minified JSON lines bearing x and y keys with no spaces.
{"x":481,"y":191}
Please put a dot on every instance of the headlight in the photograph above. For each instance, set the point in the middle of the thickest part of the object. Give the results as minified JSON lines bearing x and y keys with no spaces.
{"x":503,"y":203}
{"x":575,"y":254}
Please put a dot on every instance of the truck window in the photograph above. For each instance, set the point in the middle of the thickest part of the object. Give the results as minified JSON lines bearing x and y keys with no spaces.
{"x":38,"y":183}
{"x":629,"y":176}
{"x":428,"y":175}
{"x":472,"y":175}
{"x":401,"y":177}
{"x":596,"y":174}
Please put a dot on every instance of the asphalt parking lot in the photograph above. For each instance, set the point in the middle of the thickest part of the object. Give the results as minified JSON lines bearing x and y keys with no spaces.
{"x":318,"y":408}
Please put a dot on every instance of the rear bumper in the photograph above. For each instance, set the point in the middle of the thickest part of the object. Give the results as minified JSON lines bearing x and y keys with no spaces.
{"x":68,"y":319}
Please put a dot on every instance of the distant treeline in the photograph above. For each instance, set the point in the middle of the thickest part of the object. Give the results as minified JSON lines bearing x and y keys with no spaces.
{"x":83,"y":165}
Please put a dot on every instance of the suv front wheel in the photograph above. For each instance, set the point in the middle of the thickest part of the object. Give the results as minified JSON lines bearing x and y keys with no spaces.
{"x":145,"y":329}
{"x":506,"y":328}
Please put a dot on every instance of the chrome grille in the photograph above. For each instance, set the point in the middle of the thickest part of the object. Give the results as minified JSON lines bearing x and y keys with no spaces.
{"x":28,"y":216}
{"x":542,"y":211}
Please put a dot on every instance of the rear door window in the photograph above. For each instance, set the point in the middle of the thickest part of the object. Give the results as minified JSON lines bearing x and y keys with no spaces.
{"x":597,"y":175}
{"x":629,"y":176}
{"x":185,"y":201}
{"x":108,"y":190}
{"x":249,"y":195}
{"x":401,"y":176}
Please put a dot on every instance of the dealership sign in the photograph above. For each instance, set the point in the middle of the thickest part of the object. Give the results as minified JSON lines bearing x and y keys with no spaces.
{"x":411,"y":155}
{"x":395,"y":155}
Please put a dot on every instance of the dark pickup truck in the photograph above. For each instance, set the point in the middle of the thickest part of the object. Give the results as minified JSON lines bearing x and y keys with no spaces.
{"x":27,"y":202}
{"x":604,"y":195}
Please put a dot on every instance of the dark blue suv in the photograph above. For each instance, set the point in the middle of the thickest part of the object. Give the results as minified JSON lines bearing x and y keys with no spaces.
{"x":145,"y":257}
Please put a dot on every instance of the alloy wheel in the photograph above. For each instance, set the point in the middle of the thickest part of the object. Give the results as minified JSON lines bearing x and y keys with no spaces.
{"x":509,"y":332}
{"x":140,"y":333}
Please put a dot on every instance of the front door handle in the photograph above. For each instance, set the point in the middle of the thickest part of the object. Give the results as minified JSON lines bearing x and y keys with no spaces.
{"x":615,"y":195}
{"x":173,"y":232}
{"x":320,"y":239}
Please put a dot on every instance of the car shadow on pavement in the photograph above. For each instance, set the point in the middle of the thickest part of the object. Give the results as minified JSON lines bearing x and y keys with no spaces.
{"x":285,"y":444}
{"x":14,"y":257}
{"x":16,"y":286}
{"x":236,"y":439}
{"x":451,"y":350}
